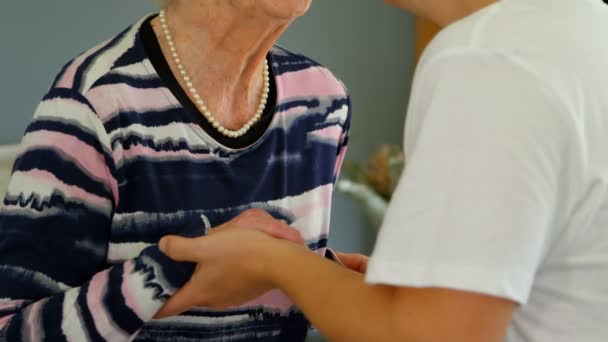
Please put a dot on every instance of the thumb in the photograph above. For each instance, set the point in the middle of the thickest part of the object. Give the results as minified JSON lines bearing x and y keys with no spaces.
{"x":183,"y":300}
{"x":180,"y":248}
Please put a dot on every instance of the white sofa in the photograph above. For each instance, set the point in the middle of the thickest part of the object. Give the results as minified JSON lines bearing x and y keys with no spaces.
{"x":7,"y":157}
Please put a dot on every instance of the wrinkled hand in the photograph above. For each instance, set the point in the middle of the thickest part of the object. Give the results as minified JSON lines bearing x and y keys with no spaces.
{"x":356,"y":262}
{"x":229,"y":268}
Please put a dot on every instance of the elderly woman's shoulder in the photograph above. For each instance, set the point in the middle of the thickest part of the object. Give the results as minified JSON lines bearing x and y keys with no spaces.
{"x":94,"y":65}
{"x":297,"y":68}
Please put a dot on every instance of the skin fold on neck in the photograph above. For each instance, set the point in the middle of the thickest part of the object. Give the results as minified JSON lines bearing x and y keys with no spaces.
{"x":223,"y":46}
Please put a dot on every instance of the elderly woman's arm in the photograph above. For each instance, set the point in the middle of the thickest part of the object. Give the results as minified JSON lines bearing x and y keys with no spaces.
{"x":55,"y":282}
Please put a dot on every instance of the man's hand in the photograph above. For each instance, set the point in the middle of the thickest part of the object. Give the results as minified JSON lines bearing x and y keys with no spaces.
{"x":230,"y":268}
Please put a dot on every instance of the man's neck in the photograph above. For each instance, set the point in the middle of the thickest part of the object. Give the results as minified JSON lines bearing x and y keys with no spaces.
{"x":445,"y":12}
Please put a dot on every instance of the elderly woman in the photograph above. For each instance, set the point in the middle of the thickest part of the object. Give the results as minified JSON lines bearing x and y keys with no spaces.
{"x":498,"y":230}
{"x":175,"y":126}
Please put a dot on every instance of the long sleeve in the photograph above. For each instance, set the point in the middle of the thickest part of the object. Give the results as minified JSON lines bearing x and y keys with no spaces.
{"x":55,"y":283}
{"x":342,"y":145}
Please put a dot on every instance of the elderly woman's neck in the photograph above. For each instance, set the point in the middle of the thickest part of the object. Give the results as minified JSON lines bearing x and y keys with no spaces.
{"x":223,"y":47}
{"x":232,"y":41}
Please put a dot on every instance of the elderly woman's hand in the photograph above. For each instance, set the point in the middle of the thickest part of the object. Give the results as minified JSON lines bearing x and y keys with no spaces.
{"x":230,"y":268}
{"x":259,"y":219}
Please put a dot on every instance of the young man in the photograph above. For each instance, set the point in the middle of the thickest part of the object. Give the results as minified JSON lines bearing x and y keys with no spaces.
{"x":498,"y":230}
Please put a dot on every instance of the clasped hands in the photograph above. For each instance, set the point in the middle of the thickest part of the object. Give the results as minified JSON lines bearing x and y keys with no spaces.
{"x":234,"y":261}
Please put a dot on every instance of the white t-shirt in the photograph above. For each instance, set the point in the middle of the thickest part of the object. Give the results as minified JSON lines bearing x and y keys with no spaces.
{"x":506,"y":188}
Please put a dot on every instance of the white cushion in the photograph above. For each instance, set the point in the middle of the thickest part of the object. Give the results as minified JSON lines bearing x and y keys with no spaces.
{"x":7,"y":157}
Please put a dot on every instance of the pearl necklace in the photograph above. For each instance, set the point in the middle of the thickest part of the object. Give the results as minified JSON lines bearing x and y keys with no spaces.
{"x":199,"y":101}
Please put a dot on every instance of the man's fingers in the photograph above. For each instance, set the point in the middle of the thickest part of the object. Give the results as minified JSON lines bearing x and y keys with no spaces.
{"x":296,"y":235}
{"x":180,"y":248}
{"x":281,"y":230}
{"x":181,"y":301}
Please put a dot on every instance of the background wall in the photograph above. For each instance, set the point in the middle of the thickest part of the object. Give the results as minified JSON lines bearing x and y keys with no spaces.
{"x":368,"y":45}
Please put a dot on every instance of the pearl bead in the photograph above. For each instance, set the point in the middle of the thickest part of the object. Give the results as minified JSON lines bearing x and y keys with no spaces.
{"x":216,"y":124}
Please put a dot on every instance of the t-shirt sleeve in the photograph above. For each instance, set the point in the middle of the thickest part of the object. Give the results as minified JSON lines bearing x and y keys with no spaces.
{"x":477,"y":207}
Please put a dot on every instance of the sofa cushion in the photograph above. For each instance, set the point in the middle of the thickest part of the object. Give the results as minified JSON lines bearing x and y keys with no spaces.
{"x":7,"y":157}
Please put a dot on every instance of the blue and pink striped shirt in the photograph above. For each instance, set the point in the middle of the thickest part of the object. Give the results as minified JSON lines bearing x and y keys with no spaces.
{"x":115,"y":159}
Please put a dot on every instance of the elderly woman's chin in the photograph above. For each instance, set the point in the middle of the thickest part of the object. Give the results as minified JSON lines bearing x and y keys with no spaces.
{"x":286,"y":9}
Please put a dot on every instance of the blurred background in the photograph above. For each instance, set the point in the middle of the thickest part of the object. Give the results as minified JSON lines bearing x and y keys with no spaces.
{"x":365,"y":43}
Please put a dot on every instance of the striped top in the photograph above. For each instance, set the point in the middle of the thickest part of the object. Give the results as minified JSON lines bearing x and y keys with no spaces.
{"x":114,"y":160}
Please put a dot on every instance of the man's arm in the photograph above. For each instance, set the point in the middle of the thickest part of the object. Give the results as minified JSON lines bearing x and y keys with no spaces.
{"x":344,"y":308}
{"x":241,"y":262}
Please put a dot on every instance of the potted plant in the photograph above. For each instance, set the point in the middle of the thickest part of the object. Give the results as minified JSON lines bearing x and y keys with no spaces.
{"x":373,"y":182}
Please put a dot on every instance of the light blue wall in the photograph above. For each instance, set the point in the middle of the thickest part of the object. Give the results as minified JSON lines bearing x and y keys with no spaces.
{"x":367,"y":44}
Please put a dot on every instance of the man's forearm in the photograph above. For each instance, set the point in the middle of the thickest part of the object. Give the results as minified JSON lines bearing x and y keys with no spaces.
{"x":335,"y":299}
